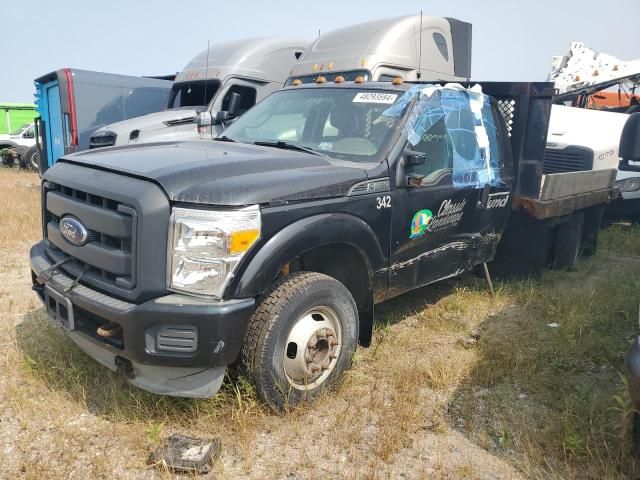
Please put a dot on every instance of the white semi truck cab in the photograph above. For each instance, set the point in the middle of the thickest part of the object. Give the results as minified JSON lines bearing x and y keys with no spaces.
{"x":413,"y":47}
{"x":251,"y":68}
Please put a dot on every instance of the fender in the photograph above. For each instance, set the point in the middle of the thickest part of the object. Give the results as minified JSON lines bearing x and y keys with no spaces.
{"x":304,"y":235}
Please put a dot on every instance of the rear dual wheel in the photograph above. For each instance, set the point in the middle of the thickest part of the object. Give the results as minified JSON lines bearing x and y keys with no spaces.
{"x":30,"y":160}
{"x":300,"y":339}
{"x":568,"y":242}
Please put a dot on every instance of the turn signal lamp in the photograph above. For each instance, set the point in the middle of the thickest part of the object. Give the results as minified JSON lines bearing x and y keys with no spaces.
{"x":241,"y":240}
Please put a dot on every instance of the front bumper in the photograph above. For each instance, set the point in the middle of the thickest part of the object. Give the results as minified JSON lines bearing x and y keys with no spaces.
{"x":219,"y":327}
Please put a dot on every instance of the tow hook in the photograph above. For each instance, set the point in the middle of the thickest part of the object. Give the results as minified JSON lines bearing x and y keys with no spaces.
{"x":124,"y":368}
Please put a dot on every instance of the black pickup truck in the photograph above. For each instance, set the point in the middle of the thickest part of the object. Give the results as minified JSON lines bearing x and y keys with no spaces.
{"x":269,"y":246}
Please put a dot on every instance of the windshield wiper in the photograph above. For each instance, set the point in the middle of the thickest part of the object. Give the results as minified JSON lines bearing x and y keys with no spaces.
{"x":224,"y":138}
{"x":288,"y":146}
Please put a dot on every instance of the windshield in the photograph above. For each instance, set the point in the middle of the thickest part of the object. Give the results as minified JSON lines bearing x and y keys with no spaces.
{"x":192,"y":94}
{"x":343,"y":123}
{"x":20,"y":129}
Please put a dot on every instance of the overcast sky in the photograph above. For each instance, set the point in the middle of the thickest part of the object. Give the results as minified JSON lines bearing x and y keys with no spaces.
{"x":512,"y":40}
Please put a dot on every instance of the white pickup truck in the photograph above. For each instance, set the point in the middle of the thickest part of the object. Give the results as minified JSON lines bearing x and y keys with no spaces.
{"x":20,"y":146}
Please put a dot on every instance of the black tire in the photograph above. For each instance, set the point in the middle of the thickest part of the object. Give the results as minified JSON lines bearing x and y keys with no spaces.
{"x":272,"y":325}
{"x":592,"y":226}
{"x":568,"y":242}
{"x":31,"y":160}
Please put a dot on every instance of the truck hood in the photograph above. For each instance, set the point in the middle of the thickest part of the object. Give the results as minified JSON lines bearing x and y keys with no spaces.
{"x":595,"y":129}
{"x":152,"y":122}
{"x":217,"y":173}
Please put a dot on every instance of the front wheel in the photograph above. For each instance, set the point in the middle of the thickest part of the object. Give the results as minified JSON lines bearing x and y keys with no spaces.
{"x":300,"y":338}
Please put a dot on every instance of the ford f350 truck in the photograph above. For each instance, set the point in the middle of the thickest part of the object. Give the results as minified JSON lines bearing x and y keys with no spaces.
{"x":271,"y":245}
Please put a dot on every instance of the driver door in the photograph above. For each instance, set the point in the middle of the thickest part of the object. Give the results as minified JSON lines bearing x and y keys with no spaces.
{"x":440,"y":189}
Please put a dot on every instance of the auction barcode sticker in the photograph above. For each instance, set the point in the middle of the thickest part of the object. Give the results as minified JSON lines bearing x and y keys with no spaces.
{"x":375,"y":97}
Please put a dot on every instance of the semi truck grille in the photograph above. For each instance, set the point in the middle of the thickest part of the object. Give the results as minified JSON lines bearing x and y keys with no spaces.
{"x":107,"y":259}
{"x":570,"y":159}
{"x":103,"y":140}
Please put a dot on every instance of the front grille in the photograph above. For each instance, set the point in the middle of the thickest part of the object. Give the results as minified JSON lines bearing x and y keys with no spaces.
{"x":103,"y":140}
{"x":108,"y":257}
{"x":570,"y":159}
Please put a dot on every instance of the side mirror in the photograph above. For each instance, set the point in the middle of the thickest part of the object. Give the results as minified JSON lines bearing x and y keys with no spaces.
{"x":205,"y":124}
{"x":221,"y":117}
{"x":630,"y":144}
{"x":404,"y":176}
{"x":234,"y":104}
{"x":412,"y":157}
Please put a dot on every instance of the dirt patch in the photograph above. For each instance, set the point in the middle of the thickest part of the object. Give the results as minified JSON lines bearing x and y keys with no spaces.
{"x":456,"y":384}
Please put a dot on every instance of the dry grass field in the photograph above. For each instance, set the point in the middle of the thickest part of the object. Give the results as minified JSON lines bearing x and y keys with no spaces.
{"x":457,"y":384}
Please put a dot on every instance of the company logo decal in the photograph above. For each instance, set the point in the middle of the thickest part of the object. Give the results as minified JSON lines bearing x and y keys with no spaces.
{"x":420,"y":223}
{"x":498,"y":200}
{"x":74,"y":231}
{"x":449,"y":215}
{"x":608,"y":153}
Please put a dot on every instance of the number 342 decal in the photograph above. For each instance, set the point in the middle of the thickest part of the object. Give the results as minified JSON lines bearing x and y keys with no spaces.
{"x":383,"y":202}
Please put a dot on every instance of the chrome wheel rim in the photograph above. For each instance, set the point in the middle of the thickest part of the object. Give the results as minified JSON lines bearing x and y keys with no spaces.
{"x":312,"y":348}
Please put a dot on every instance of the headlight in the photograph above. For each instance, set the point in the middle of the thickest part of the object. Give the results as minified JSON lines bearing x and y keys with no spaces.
{"x":205,"y":246}
{"x":631,"y":184}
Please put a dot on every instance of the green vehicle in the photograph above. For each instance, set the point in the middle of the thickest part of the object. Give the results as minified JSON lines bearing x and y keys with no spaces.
{"x":14,"y":115}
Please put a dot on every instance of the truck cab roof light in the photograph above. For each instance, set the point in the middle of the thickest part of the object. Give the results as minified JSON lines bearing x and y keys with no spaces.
{"x":359,"y":79}
{"x":321,"y":79}
{"x":339,"y":79}
{"x":296,"y":82}
{"x":397,"y":81}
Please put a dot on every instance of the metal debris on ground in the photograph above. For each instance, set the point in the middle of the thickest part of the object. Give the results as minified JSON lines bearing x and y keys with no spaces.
{"x":186,"y":454}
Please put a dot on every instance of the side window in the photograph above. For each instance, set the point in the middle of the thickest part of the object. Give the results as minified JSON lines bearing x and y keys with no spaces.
{"x":247,"y":97}
{"x":441,"y":43}
{"x":457,"y":133}
{"x":29,"y":133}
{"x":436,"y":145}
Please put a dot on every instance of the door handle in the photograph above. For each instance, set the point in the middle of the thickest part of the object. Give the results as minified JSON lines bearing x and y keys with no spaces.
{"x":484,"y":196}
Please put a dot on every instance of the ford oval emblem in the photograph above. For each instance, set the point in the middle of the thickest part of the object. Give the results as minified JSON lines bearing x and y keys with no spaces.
{"x":73,"y":231}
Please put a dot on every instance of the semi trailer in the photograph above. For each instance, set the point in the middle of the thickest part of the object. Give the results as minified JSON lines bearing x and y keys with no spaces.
{"x":72,"y":103}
